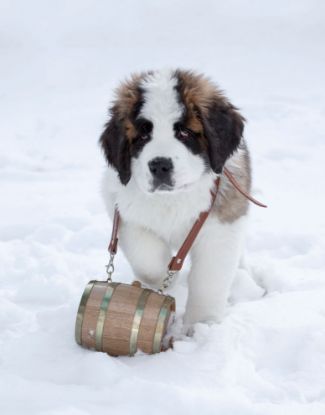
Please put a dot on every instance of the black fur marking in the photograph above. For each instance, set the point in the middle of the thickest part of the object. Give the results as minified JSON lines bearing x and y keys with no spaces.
{"x":144,"y":128}
{"x":118,"y":148}
{"x":223,"y":129}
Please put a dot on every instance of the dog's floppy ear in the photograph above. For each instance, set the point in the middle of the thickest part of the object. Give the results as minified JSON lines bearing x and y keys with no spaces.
{"x":116,"y":148}
{"x":223,"y":128}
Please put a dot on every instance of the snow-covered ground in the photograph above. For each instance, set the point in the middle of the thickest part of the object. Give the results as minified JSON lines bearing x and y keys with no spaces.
{"x":59,"y":63}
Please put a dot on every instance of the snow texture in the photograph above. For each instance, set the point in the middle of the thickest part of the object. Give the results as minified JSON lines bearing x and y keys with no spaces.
{"x":60,"y":61}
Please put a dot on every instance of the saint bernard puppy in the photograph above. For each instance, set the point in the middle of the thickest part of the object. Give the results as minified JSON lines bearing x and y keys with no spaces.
{"x":169,"y":136}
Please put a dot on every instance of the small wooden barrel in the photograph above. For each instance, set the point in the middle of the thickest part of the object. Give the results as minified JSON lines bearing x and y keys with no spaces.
{"x":120,"y":319}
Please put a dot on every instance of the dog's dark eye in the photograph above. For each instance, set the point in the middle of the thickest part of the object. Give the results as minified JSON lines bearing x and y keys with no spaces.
{"x":183,"y":133}
{"x":145,"y":130}
{"x":145,"y":136}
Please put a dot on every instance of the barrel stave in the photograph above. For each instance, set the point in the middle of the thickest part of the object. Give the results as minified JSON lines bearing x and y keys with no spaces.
{"x":149,"y":322}
{"x":91,"y":313}
{"x":119,"y":319}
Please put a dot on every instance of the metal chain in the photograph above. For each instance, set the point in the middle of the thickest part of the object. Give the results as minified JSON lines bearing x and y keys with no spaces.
{"x":167,"y":281}
{"x":110,"y":268}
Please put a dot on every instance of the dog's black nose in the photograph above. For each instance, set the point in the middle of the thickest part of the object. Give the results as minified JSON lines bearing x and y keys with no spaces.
{"x":161,"y":167}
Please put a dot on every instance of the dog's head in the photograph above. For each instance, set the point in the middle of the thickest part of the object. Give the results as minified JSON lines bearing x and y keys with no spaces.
{"x":169,"y":128}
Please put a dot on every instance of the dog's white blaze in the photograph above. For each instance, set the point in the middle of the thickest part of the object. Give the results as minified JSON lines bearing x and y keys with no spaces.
{"x":161,"y":105}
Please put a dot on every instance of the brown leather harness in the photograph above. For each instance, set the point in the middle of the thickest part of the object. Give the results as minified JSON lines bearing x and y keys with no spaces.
{"x":177,"y":261}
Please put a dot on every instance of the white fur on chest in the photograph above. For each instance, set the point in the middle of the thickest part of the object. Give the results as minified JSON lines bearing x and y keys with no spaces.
{"x":169,"y":216}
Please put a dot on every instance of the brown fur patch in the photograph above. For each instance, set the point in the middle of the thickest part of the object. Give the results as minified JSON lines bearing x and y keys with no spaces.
{"x":129,"y":129}
{"x":199,"y":92}
{"x":127,"y":95}
{"x":230,"y":204}
{"x":193,"y":120}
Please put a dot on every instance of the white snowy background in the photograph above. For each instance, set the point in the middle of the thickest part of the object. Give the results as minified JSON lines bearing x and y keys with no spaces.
{"x":59,"y":62}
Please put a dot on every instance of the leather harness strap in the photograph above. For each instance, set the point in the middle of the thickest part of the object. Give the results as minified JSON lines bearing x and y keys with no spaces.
{"x":177,"y":261}
{"x":112,"y":247}
{"x":236,"y":185}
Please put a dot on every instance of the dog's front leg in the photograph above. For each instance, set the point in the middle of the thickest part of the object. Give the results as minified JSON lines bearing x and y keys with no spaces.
{"x":147,"y":254}
{"x":215,"y":258}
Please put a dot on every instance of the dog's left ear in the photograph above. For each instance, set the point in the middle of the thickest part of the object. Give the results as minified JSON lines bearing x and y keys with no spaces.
{"x":223,"y":128}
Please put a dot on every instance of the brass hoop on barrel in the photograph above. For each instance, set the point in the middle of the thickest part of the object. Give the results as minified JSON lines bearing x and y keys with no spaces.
{"x":102,"y":315}
{"x":137,"y":320}
{"x":162,"y":321}
{"x":81,"y":310}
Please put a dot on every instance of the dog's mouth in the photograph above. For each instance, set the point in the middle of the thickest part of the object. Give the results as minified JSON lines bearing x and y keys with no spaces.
{"x":161,"y":188}
{"x":162,"y":185}
{"x":167,"y":188}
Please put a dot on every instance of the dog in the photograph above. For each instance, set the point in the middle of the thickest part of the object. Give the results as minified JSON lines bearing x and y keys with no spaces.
{"x":169,"y":136}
